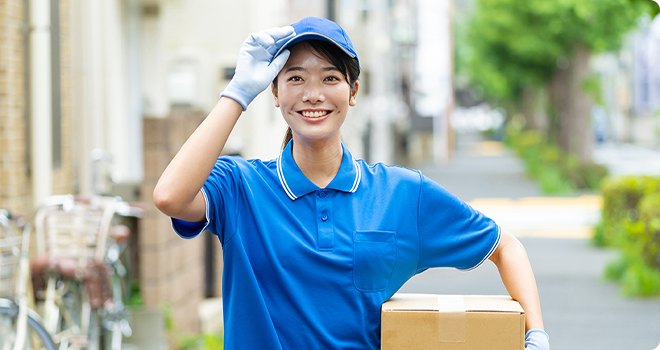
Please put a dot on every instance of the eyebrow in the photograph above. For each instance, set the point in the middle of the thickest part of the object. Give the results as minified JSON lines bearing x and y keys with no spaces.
{"x":303,"y":69}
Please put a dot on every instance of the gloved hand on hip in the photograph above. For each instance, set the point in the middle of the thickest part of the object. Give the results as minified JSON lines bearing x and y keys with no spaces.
{"x":254,"y":71}
{"x":536,"y":339}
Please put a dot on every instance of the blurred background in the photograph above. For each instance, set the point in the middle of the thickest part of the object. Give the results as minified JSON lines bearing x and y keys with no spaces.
{"x":520,"y":107}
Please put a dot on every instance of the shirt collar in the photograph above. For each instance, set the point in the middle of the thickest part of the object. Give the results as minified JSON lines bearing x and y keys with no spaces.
{"x":296,"y":184}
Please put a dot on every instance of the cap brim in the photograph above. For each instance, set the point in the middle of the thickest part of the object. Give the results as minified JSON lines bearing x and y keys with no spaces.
{"x":310,"y":36}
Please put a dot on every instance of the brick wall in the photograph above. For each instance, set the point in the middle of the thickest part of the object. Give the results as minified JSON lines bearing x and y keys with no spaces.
{"x":15,"y":184}
{"x":15,"y":180}
{"x":171,"y":269}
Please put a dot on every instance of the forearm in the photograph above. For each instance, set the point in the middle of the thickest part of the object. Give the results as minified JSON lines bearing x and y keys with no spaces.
{"x":189,"y":169}
{"x":518,"y":278}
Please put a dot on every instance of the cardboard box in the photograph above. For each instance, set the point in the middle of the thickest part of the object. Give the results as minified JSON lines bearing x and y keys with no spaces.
{"x":452,"y":322}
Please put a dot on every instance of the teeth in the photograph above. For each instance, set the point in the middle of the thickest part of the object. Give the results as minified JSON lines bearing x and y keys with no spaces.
{"x":314,"y":114}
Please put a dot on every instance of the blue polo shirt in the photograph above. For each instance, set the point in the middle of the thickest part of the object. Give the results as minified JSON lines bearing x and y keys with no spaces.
{"x":308,"y":267}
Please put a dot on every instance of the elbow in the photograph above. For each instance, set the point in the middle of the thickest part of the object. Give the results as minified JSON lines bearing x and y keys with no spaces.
{"x":164,"y":201}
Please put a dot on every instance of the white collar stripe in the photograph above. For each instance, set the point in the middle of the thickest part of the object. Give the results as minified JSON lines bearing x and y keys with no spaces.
{"x":358,"y":176}
{"x":280,"y":174}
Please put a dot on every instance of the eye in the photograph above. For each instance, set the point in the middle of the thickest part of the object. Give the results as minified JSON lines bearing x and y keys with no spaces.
{"x":332,"y":78}
{"x":295,"y":78}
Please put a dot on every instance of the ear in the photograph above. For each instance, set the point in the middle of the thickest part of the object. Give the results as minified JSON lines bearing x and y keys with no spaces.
{"x":273,"y":89}
{"x":353,"y":99}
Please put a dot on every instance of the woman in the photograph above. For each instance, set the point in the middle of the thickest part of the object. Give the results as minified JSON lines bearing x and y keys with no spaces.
{"x":316,"y":240}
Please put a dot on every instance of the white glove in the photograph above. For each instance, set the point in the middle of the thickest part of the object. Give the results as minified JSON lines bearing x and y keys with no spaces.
{"x":254,"y":71}
{"x":536,"y":339}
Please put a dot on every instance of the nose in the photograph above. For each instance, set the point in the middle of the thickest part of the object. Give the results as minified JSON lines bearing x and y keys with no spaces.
{"x":313,"y":93}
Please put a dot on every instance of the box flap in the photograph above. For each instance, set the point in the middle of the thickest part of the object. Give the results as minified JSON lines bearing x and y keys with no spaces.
{"x":493,"y":303}
{"x":405,"y":301}
{"x":473,"y":303}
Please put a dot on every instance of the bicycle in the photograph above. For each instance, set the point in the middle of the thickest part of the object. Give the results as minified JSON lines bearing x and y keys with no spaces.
{"x":116,"y":320}
{"x":20,"y":326}
{"x":80,"y":272}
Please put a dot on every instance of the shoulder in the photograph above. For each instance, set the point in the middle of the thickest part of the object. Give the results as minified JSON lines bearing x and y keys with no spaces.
{"x":242,"y":164}
{"x":390,"y":172}
{"x":390,"y":178}
{"x":242,"y":169}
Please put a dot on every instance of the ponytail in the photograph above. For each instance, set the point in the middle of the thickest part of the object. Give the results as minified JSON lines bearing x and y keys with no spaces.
{"x":287,"y":137}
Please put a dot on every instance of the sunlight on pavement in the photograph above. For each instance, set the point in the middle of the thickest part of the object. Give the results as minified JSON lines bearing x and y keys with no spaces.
{"x":487,"y":149}
{"x":547,"y":217}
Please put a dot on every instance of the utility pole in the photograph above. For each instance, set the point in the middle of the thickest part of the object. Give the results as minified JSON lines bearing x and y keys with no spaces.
{"x":331,"y":10}
{"x":41,"y":100}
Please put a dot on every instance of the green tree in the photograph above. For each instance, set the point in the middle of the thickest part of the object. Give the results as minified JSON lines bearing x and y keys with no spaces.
{"x":519,"y":47}
{"x":649,"y":6}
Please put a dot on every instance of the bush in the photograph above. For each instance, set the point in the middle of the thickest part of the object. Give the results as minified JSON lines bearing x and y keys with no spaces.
{"x":556,"y":172}
{"x":636,"y":277}
{"x":206,"y":341}
{"x":648,"y":236}
{"x":620,"y":200}
{"x":631,"y":221}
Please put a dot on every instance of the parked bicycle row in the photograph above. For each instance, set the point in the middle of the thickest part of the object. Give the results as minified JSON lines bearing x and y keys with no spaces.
{"x":70,"y":293}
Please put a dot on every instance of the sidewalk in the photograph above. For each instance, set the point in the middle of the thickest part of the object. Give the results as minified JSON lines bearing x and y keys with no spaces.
{"x":492,"y":180}
{"x":628,"y":159}
{"x":581,"y":311}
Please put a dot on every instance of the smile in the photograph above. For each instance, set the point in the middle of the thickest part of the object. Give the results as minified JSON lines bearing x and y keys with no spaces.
{"x":313,"y":114}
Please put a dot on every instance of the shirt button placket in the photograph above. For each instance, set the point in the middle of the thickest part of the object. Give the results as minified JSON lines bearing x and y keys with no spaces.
{"x":324,"y":215}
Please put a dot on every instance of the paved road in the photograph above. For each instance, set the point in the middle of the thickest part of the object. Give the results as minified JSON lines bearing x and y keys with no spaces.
{"x":628,"y":159}
{"x":580,"y":309}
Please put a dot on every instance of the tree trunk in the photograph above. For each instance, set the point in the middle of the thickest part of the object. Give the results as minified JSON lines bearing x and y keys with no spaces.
{"x":572,"y":106}
{"x":557,"y":103}
{"x":528,"y":107}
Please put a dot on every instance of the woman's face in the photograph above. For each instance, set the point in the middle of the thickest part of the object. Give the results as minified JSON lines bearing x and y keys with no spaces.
{"x":313,"y":95}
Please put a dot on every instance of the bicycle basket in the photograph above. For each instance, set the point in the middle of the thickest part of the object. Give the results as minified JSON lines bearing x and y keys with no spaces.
{"x":71,"y":229}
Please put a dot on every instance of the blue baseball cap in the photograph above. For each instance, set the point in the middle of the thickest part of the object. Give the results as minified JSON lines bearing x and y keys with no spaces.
{"x":316,"y":28}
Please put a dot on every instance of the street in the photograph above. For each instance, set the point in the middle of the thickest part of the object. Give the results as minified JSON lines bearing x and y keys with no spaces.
{"x":580,"y":309}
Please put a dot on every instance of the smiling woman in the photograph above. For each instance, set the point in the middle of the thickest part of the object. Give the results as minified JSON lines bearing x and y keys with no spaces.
{"x":316,"y":240}
{"x":314,"y":96}
{"x":338,"y":62}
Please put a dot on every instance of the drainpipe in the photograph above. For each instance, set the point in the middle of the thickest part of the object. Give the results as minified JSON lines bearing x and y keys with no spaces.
{"x":41,"y":100}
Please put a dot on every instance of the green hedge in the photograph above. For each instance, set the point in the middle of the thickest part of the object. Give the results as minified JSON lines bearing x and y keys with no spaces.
{"x":556,"y":172}
{"x":206,"y":341}
{"x":631,"y":222}
{"x":621,"y":201}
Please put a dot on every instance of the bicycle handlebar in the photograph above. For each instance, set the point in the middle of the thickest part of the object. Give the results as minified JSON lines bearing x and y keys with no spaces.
{"x":6,"y":213}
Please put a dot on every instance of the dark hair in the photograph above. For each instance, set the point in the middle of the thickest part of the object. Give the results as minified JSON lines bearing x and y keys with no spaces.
{"x":346,"y":64}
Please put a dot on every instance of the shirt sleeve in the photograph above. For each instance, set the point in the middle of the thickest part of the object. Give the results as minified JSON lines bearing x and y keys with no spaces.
{"x":451,"y":233}
{"x":220,"y":191}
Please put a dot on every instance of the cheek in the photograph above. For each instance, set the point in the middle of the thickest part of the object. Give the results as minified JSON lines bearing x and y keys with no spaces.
{"x":288,"y":95}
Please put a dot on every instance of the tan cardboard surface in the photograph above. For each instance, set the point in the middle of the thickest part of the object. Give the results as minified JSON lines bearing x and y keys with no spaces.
{"x":418,"y":321}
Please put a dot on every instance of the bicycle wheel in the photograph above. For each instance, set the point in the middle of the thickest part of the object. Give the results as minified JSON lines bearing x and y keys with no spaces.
{"x":37,"y":337}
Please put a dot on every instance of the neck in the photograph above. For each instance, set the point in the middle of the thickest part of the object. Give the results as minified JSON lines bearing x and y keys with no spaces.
{"x":319,"y":160}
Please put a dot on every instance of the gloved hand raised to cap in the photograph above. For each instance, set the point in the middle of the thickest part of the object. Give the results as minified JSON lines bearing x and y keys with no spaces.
{"x":254,"y":71}
{"x":537,"y":339}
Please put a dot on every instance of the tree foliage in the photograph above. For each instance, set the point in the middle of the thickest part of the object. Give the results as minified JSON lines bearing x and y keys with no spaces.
{"x":649,"y":6}
{"x":512,"y":43}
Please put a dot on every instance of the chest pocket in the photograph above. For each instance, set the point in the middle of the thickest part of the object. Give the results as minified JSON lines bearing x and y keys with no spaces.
{"x":374,"y":255}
